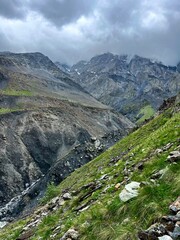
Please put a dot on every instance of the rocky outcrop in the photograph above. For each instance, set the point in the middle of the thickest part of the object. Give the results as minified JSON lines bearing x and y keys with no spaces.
{"x":127,"y":84}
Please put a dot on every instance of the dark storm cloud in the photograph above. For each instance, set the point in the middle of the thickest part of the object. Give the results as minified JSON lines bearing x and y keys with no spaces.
{"x":62,"y":11}
{"x":71,"y":30}
{"x":12,"y":9}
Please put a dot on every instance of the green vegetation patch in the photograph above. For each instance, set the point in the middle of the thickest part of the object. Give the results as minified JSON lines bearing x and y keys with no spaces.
{"x":8,"y":110}
{"x":11,"y":92}
{"x":145,"y":113}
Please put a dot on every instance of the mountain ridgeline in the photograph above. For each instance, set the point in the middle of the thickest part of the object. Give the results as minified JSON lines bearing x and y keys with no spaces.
{"x":134,"y":86}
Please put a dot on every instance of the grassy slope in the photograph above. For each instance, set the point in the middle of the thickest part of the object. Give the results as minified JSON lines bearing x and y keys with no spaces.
{"x":146,"y":113}
{"x":108,"y":217}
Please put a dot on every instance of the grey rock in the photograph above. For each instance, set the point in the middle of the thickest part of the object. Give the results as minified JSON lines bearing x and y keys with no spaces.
{"x":67,"y":196}
{"x":70,"y":234}
{"x":176,"y":232}
{"x":130,"y":191}
{"x":160,"y":173}
{"x":165,"y":237}
{"x":175,"y":206}
{"x":3,"y":224}
{"x":97,"y":143}
{"x":174,"y":156}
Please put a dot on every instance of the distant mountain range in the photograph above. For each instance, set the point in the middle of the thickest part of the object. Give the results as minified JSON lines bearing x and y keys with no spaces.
{"x":134,"y":86}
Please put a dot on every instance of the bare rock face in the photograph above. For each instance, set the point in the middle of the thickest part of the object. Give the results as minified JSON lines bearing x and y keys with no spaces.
{"x":47,"y":145}
{"x":127,"y":83}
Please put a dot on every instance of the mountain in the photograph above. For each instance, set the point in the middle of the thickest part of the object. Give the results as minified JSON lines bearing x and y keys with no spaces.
{"x":49,"y":126}
{"x":134,"y":86}
{"x":64,"y":67}
{"x":131,"y":187}
{"x":36,"y":73}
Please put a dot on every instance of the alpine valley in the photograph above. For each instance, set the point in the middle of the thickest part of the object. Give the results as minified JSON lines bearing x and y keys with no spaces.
{"x":89,"y":151}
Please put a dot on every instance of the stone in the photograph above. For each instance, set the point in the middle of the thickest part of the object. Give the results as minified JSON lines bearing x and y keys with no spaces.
{"x":93,"y":139}
{"x":174,"y":156}
{"x":97,"y":143}
{"x":176,"y":232}
{"x":117,"y":186}
{"x":175,"y":206}
{"x":158,"y":151}
{"x":70,"y":234}
{"x":160,"y":173}
{"x":67,"y":196}
{"x":168,"y":146}
{"x":105,"y":176}
{"x":130,"y":191}
{"x":165,"y":237}
{"x":3,"y":224}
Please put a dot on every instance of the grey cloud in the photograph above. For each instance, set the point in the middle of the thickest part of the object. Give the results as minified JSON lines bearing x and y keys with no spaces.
{"x":71,"y":30}
{"x":12,"y":9}
{"x":4,"y":43}
{"x":62,"y":11}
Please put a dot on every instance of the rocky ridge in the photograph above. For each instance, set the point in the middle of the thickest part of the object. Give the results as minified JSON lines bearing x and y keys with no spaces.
{"x":37,"y":75}
{"x":128,"y":84}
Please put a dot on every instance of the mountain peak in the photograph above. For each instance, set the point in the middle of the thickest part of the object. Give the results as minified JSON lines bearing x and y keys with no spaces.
{"x":129,"y":83}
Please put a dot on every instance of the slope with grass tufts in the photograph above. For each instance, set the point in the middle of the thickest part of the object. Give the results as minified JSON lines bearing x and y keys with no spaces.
{"x":87,"y":202}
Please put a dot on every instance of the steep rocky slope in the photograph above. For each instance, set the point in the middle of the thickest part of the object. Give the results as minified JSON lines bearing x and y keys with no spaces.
{"x":134,"y":86}
{"x":38,"y":75}
{"x":117,"y":195}
{"x":64,"y":67}
{"x":49,"y":126}
{"x":33,"y":141}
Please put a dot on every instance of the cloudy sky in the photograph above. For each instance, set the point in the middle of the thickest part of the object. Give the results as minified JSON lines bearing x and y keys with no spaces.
{"x":72,"y":30}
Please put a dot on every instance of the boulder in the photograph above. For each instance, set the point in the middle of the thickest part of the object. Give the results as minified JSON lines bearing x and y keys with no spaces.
{"x":130,"y":191}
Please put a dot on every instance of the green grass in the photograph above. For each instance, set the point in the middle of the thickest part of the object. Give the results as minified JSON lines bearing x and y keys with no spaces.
{"x":108,"y":217}
{"x":11,"y":92}
{"x":8,"y":110}
{"x":145,"y":113}
{"x":51,"y":192}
